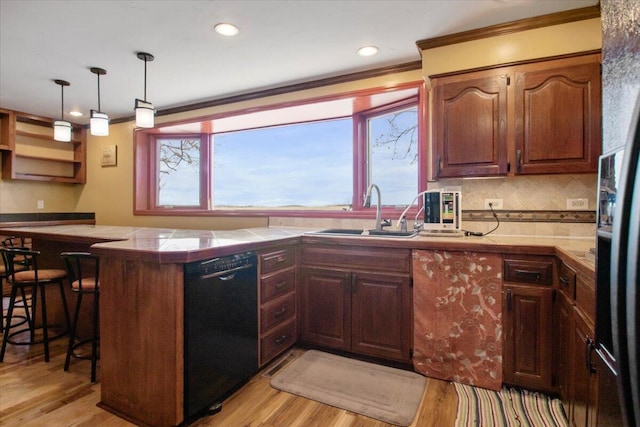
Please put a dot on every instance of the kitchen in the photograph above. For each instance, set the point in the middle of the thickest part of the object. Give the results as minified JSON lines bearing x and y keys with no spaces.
{"x":108,"y":191}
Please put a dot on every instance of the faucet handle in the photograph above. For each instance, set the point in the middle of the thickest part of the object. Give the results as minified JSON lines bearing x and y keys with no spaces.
{"x":385,"y":223}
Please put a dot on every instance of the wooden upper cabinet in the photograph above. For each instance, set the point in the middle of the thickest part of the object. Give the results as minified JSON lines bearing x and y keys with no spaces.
{"x":541,"y":117}
{"x":558,"y":119}
{"x":470,"y":126}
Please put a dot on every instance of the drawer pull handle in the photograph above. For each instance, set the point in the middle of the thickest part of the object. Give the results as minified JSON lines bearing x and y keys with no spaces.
{"x":281,"y":259}
{"x":280,"y":285}
{"x":528,"y":273}
{"x":564,"y":280}
{"x":281,"y":339}
{"x":280,"y":312}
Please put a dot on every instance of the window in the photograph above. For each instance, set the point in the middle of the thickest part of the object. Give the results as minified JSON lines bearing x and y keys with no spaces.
{"x":392,"y":148}
{"x":298,"y":166}
{"x":178,"y":169}
{"x":312,"y":159}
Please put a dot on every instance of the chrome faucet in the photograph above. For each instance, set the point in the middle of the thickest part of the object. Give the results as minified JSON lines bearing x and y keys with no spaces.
{"x":367,"y":204}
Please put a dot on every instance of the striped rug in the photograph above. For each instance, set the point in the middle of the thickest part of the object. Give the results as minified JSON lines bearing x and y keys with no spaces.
{"x":509,"y":407}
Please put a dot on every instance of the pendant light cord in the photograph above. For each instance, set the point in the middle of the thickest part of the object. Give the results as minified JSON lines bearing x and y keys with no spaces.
{"x":61,"y":102}
{"x":99,"y":109}
{"x":145,"y":79}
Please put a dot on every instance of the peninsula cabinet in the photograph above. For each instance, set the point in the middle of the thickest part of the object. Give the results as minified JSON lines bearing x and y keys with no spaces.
{"x":527,"y":316}
{"x":539,"y":117}
{"x":278,"y":330}
{"x":29,"y":151}
{"x":357,"y":299}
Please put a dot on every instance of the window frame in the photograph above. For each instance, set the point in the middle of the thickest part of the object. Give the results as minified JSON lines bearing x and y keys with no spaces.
{"x":145,"y":159}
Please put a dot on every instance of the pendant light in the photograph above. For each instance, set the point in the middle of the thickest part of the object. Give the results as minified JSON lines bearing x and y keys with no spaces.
{"x":99,"y":122}
{"x":62,"y":128}
{"x":144,"y":110}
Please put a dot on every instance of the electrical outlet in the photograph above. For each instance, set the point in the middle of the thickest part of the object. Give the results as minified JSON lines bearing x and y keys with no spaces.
{"x":577,"y":204}
{"x":40,"y":204}
{"x":496,"y":203}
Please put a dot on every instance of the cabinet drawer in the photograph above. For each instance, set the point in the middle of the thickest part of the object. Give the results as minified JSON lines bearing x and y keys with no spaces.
{"x":277,"y":284}
{"x":277,"y":260}
{"x":277,"y":312}
{"x":567,"y":280}
{"x":586,"y":297}
{"x":277,"y":341}
{"x":538,"y":270}
{"x":358,"y":257}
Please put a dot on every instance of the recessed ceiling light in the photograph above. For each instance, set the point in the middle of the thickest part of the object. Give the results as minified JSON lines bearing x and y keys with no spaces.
{"x":75,"y":113}
{"x":367,"y":51}
{"x":228,"y":30}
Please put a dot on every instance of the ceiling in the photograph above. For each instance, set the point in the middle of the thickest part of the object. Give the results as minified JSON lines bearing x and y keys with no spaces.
{"x":281,"y":42}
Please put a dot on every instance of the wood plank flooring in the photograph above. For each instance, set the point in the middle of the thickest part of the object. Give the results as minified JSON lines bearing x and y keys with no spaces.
{"x":35,"y":393}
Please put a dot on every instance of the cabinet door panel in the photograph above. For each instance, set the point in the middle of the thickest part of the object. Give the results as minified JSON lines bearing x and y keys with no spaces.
{"x":470,"y":120}
{"x":326,"y":307}
{"x":528,"y":339}
{"x":563,"y":316}
{"x":558,"y":119}
{"x":582,"y":380}
{"x":381,"y":315}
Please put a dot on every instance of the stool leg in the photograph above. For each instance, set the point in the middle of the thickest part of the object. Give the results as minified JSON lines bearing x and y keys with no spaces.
{"x":26,"y":306}
{"x":94,"y":344}
{"x":64,"y":305}
{"x":12,"y":300}
{"x":45,"y":332}
{"x":34,"y":311}
{"x":72,"y":335}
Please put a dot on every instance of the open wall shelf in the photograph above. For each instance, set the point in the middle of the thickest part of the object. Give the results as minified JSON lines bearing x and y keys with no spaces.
{"x":29,"y":151}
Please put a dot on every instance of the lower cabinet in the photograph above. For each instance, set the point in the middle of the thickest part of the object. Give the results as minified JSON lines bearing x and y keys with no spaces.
{"x":583,"y":393}
{"x":528,"y":339}
{"x":576,"y":358}
{"x":357,"y":305}
{"x":278,"y":325}
{"x":527,"y":321}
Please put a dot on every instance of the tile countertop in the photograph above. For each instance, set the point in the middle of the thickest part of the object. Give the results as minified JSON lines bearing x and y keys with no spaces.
{"x":179,"y":246}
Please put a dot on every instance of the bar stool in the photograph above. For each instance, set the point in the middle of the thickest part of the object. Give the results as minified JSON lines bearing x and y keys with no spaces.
{"x":10,"y":241}
{"x":36,"y":280}
{"x":83,"y":270}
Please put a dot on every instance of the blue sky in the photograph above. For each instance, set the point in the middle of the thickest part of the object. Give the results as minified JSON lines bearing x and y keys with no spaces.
{"x":309,"y":164}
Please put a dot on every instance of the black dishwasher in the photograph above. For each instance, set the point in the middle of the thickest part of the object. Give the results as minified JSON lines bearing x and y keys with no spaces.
{"x":220,"y":329}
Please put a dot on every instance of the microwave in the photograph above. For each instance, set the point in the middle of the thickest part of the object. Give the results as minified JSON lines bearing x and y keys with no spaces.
{"x":442,"y":211}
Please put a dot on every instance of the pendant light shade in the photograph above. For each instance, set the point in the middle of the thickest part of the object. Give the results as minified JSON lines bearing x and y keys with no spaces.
{"x":99,"y":121}
{"x":62,"y":128}
{"x":144,"y":110}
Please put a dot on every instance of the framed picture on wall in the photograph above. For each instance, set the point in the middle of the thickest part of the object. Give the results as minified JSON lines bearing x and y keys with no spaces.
{"x":109,"y":155}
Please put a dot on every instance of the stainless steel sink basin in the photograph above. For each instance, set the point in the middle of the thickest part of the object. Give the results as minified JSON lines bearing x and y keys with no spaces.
{"x":364,"y":232}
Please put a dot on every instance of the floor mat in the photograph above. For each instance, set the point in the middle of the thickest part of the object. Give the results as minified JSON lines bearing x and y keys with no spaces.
{"x":386,"y":394}
{"x":509,"y":407}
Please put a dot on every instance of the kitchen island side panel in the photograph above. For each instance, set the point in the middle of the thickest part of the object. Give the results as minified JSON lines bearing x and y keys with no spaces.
{"x":457,"y":300}
{"x":141,"y":340}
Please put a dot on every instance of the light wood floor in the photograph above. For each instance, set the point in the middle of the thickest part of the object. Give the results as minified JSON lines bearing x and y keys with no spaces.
{"x":35,"y":393}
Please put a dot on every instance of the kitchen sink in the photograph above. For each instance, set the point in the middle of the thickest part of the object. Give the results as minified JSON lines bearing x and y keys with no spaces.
{"x":364,"y":232}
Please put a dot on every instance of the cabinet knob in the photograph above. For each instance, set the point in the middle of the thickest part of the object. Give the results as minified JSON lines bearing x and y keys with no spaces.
{"x":281,"y":339}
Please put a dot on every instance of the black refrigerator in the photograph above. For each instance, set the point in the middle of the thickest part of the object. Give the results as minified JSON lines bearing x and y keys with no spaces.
{"x":625,"y":277}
